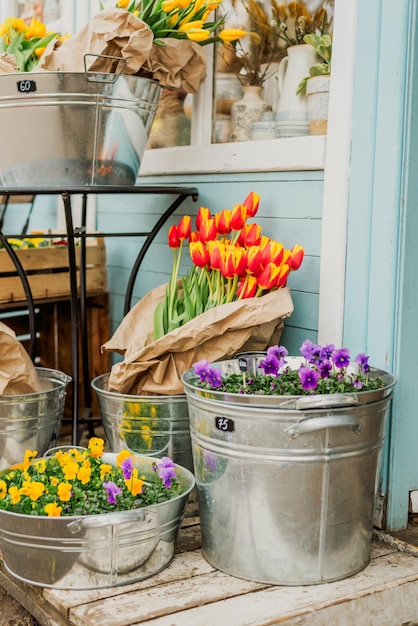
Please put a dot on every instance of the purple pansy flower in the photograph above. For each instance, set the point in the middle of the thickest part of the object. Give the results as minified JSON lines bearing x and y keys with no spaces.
{"x":325,"y":368}
{"x":214,"y":377}
{"x":207,"y":373}
{"x":307,"y":349}
{"x":166,"y":470}
{"x":308,"y":377}
{"x":112,"y":491}
{"x":270,"y":364}
{"x":363,"y":362}
{"x":127,"y":468}
{"x":341,"y":357}
{"x":201,"y":369}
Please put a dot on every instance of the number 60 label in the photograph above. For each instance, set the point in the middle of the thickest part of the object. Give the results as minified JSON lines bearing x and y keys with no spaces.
{"x":25,"y":86}
{"x":225,"y":424}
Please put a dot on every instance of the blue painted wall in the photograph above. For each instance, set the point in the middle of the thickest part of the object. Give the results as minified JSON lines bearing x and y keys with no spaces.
{"x":381,"y":304}
{"x":290,"y":211}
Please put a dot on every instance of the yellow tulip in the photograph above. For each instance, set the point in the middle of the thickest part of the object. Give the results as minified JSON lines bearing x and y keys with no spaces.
{"x":231,"y":34}
{"x":122,"y":4}
{"x":188,"y":25}
{"x":168,"y":6}
{"x":198,"y":34}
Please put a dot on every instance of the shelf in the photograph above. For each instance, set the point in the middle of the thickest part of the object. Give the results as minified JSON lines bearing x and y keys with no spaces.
{"x":273,"y":155}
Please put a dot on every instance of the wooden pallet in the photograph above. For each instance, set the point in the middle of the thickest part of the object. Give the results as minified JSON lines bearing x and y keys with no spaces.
{"x":48,"y":272}
{"x":190,"y":592}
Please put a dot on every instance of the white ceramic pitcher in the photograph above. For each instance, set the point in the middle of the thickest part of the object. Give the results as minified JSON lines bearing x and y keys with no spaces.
{"x":292,"y":110}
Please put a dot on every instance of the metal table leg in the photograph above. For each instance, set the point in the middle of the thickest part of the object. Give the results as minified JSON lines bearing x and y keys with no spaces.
{"x":75,"y":357}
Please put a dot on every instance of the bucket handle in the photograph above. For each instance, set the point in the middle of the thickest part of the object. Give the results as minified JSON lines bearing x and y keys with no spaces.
{"x":325,"y":401}
{"x":108,"y":519}
{"x":104,"y":77}
{"x":312,"y":424}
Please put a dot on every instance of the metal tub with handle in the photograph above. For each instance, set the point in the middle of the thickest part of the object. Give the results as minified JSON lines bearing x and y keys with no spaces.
{"x":74,"y":128}
{"x":287,"y":484}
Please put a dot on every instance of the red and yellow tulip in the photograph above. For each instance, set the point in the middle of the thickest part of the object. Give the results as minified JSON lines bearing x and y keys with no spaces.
{"x":231,"y":260}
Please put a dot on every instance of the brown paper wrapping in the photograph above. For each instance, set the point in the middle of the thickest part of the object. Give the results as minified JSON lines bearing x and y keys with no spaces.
{"x":155,"y":368}
{"x":17,"y":372}
{"x":177,"y":64}
{"x":8,"y":63}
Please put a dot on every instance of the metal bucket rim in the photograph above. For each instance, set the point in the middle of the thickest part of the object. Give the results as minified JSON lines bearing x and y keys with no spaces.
{"x":39,"y":73}
{"x":45,"y":373}
{"x":270,"y":401}
{"x":131,"y":397}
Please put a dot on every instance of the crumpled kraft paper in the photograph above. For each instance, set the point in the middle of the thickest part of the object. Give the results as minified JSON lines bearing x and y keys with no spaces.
{"x":8,"y":63}
{"x":17,"y":372}
{"x":177,"y":64}
{"x":155,"y":367}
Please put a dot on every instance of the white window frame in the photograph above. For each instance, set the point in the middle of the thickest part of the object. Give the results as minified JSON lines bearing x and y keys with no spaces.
{"x":285,"y":154}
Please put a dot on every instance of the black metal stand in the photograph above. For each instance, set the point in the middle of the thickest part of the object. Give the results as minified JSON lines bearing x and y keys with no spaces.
{"x":78,"y":297}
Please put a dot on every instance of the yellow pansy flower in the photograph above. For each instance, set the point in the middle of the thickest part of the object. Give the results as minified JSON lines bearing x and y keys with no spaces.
{"x":53,"y":510}
{"x":125,"y":454}
{"x":33,"y":490}
{"x":3,"y":489}
{"x":84,"y":474}
{"x":96,"y":445}
{"x":134,"y":484}
{"x":41,"y":466}
{"x":64,"y":491}
{"x":14,"y":494}
{"x":70,"y":470}
{"x":28,"y":458}
{"x":105,"y":468}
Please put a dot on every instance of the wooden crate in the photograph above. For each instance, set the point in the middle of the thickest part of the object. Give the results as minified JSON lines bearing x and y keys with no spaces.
{"x":48,"y":272}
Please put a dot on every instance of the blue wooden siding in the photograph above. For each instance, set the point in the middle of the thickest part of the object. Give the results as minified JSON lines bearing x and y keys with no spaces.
{"x":290,"y":211}
{"x":381,"y":303}
{"x":44,"y":215}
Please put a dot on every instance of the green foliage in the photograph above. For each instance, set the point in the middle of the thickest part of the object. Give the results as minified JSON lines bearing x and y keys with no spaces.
{"x":323,"y":48}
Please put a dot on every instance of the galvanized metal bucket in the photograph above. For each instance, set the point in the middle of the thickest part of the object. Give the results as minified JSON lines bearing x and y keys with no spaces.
{"x":95,"y":551}
{"x":287,"y":484}
{"x":151,"y":425}
{"x":32,"y":421}
{"x":74,"y":128}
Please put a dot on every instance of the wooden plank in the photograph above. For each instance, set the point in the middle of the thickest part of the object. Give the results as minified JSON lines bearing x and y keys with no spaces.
{"x":384,"y":593}
{"x":183,"y":567}
{"x":166,"y":599}
{"x":31,"y":598}
{"x":49,"y":285}
{"x":53,"y":258}
{"x":190,"y":592}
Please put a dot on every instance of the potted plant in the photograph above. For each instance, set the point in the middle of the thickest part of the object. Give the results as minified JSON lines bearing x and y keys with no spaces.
{"x":287,"y":455}
{"x":233,"y":297}
{"x":294,"y":22}
{"x":316,"y":85}
{"x":83,"y":519}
